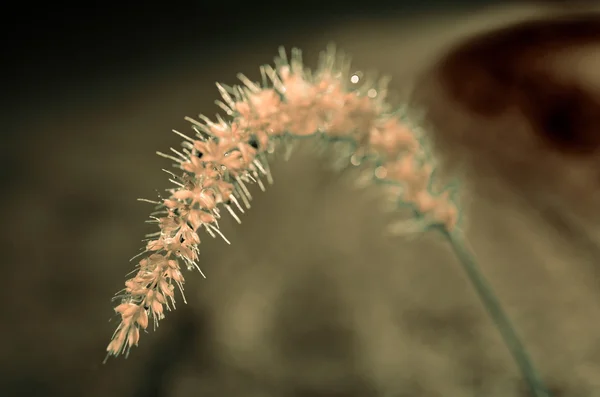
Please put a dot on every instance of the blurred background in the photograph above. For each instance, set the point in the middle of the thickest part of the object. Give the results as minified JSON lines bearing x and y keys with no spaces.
{"x":310,"y":300}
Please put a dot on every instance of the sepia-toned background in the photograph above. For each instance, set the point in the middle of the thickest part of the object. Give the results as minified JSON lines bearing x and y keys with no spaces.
{"x":313,"y":298}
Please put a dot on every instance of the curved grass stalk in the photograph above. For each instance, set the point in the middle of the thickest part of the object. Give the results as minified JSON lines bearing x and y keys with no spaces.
{"x":496,"y":312}
{"x":216,"y":166}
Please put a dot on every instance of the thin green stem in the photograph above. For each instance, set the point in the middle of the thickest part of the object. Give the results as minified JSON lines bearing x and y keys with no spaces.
{"x":494,"y":308}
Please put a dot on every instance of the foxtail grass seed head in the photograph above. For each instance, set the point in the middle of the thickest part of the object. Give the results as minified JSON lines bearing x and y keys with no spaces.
{"x":226,"y":155}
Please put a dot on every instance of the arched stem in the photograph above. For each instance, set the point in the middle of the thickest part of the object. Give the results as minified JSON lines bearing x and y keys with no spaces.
{"x":494,"y":308}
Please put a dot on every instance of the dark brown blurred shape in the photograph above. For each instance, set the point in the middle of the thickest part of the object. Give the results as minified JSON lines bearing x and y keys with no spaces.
{"x":510,"y":69}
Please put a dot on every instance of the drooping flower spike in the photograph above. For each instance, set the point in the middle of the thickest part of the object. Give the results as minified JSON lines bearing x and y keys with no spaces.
{"x":217,"y":165}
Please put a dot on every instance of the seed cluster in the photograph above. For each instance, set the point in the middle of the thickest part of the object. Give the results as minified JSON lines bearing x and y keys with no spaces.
{"x":225,"y":156}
